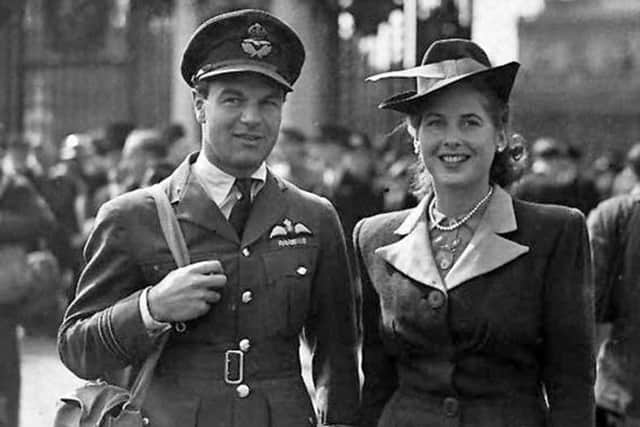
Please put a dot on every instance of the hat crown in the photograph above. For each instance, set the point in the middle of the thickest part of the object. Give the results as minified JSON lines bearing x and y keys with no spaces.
{"x":451,"y":49}
{"x":246,"y":40}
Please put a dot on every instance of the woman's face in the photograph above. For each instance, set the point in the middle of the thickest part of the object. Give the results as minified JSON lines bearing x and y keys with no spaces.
{"x":458,"y":138}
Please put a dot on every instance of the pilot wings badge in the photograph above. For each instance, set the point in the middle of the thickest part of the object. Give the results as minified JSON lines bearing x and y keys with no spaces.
{"x":256,"y":45}
{"x":290,"y":234}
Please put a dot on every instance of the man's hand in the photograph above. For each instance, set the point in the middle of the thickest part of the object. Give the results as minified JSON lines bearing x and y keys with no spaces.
{"x":187,"y":292}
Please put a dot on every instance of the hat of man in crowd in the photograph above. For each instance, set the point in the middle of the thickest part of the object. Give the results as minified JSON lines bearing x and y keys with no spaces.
{"x":247,"y":40}
{"x":549,"y":148}
{"x":445,"y":63}
{"x":76,"y":146}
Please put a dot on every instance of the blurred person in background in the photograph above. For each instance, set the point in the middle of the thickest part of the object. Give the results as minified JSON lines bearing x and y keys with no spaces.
{"x":109,"y":142}
{"x":34,"y":161}
{"x":614,"y":232}
{"x":74,"y":188}
{"x":16,"y":157}
{"x":289,"y":157}
{"x":331,"y":146}
{"x":142,"y":161}
{"x":605,"y":168}
{"x":395,"y":169}
{"x":477,"y":307}
{"x":25,"y":218}
{"x":143,"y":151}
{"x":174,"y":136}
{"x":356,"y":195}
{"x":555,"y":177}
{"x":625,"y":181}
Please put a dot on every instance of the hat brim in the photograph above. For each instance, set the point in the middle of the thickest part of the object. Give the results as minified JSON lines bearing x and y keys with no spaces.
{"x":500,"y":79}
{"x":247,"y":68}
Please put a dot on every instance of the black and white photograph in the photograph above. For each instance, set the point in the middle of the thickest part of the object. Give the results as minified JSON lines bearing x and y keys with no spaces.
{"x":340,"y":213}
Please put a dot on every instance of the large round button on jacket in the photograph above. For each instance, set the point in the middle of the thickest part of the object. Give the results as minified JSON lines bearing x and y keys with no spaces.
{"x":246,"y":297}
{"x":451,"y":406}
{"x":436,"y":299}
{"x":243,"y":391}
{"x":244,"y":344}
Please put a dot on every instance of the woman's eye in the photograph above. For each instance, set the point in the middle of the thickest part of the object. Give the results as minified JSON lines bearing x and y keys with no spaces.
{"x":472,"y":122}
{"x":231,"y":101}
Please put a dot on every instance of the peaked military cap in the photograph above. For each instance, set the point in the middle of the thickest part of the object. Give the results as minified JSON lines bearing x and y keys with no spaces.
{"x":246,"y":40}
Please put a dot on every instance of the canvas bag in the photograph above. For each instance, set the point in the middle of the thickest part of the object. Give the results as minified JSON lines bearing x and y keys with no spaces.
{"x":100,"y":404}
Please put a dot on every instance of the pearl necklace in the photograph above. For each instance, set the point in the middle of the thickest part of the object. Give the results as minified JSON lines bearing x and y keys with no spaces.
{"x":461,"y":221}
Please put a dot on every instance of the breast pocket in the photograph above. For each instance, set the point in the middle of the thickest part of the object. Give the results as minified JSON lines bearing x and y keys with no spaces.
{"x":156,"y":269}
{"x":289,"y":278}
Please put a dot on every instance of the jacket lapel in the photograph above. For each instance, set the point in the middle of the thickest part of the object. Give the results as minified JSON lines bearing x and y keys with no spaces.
{"x":268,"y":209}
{"x":411,"y":255}
{"x":192,"y":203}
{"x":487,"y":250}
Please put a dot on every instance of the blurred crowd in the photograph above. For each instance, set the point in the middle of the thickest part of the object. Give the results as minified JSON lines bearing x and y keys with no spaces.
{"x":360,"y":175}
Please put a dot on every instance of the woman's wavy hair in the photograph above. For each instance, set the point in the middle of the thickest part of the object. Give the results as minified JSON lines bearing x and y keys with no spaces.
{"x":508,"y":165}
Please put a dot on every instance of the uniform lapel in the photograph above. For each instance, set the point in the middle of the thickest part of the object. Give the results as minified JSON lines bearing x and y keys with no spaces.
{"x":411,"y":255}
{"x":268,"y":209}
{"x":192,"y":203}
{"x":487,"y":250}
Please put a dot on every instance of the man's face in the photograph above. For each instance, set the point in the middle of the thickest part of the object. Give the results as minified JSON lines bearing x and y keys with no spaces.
{"x":240,"y":121}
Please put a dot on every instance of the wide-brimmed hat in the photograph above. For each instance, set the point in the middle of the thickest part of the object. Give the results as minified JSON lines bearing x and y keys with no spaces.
{"x":444,"y":63}
{"x":247,"y":40}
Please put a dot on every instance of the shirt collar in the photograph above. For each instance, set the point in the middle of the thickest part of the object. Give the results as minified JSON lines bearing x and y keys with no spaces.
{"x":217,"y":183}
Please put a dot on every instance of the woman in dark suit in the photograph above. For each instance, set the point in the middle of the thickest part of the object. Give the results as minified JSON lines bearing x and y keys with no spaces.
{"x":477,"y":308}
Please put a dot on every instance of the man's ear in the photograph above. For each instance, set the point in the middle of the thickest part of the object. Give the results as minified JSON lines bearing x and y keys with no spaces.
{"x":198,"y":107}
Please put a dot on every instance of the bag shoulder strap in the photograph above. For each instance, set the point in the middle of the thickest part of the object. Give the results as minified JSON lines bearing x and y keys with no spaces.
{"x":170,"y":226}
{"x":178,"y":247}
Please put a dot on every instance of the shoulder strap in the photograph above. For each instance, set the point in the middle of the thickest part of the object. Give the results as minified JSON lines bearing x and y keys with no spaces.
{"x":178,"y":246}
{"x":170,"y":227}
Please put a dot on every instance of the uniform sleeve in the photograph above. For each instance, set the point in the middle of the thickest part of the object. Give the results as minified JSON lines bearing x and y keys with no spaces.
{"x":569,"y":365}
{"x":102,"y":329}
{"x":378,"y":367}
{"x":601,"y":224}
{"x":331,"y":331}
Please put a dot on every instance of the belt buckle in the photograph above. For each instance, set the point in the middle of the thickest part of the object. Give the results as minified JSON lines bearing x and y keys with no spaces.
{"x":233,"y":358}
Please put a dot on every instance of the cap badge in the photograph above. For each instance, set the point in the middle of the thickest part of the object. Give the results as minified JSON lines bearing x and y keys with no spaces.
{"x":256,"y":45}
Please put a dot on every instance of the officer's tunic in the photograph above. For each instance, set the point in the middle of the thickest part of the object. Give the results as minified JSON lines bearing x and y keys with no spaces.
{"x":287,"y":277}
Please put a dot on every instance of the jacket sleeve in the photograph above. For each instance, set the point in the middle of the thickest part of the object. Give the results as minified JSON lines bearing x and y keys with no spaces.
{"x":102,"y":329}
{"x":378,"y":367}
{"x":568,"y":358}
{"x":331,"y":331}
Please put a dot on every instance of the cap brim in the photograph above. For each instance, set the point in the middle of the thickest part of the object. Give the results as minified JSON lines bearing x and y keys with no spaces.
{"x":247,"y":68}
{"x":500,"y":78}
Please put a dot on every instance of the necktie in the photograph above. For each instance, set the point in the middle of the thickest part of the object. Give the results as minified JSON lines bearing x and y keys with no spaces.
{"x":242,"y":208}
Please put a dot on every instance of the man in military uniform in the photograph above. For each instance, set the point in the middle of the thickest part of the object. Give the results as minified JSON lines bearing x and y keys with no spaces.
{"x":269,"y":260}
